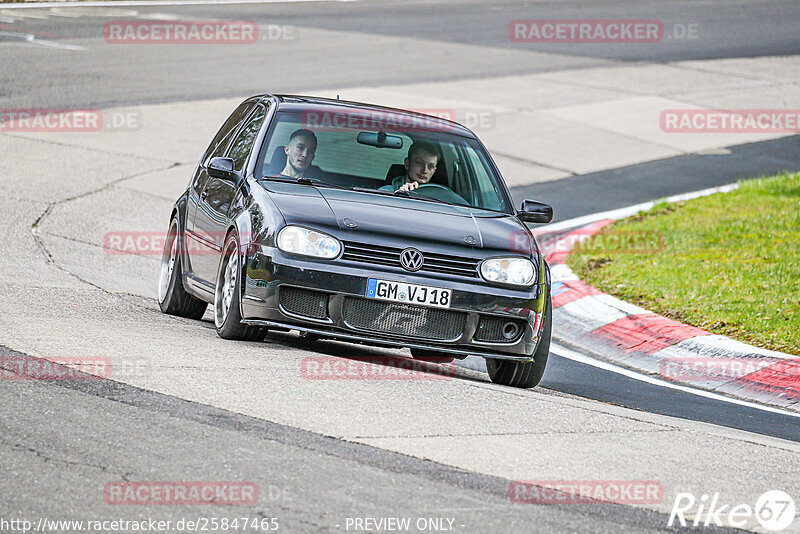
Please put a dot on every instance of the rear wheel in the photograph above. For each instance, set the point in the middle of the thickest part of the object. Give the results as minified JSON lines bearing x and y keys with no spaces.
{"x":172,"y":297}
{"x":227,"y":311}
{"x":524,"y":374}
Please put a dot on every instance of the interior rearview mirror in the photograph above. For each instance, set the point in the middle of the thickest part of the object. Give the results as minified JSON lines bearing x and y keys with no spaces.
{"x":535,"y":212}
{"x":222,"y":168}
{"x":380,"y":140}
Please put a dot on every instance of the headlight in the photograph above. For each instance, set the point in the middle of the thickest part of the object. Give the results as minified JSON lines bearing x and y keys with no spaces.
{"x":298,"y":240}
{"x":512,"y":271}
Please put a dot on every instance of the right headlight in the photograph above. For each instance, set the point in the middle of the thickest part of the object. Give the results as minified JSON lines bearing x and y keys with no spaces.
{"x":306,"y":242}
{"x":511,"y":271}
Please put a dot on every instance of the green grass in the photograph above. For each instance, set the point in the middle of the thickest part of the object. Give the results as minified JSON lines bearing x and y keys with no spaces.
{"x":728,"y":263}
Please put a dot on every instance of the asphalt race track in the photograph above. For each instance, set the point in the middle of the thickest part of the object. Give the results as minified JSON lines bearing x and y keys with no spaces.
{"x":339,"y":456}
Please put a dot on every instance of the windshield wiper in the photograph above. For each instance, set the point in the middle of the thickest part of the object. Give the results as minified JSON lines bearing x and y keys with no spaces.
{"x":317,"y":182}
{"x":420,"y":196}
{"x":406,"y":194}
{"x":305,"y":181}
{"x":376,"y":191}
{"x":278,"y":178}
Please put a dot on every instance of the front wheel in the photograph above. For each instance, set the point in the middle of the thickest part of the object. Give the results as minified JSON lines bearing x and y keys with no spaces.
{"x":524,"y":374}
{"x":172,"y":297}
{"x":227,"y":311}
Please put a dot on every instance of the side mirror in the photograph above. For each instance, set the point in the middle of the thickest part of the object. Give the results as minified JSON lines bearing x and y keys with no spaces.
{"x":222,"y":168}
{"x":535,"y":212}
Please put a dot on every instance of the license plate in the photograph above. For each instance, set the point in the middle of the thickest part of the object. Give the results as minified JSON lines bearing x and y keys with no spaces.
{"x":408,"y":293}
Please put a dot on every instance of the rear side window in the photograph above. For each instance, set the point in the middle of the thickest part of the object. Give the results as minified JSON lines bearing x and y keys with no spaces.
{"x":243,"y":143}
{"x":220,"y":141}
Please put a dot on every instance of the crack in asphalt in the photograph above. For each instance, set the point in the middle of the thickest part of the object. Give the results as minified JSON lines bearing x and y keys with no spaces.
{"x":531,"y":162}
{"x":87,"y":148}
{"x":551,"y":396}
{"x":152,"y":257}
{"x":737,"y":75}
{"x":46,"y":458}
{"x":488,"y":434}
{"x":49,"y":257}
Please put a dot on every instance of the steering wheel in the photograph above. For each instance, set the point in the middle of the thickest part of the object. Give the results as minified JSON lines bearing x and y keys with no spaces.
{"x":441,"y":192}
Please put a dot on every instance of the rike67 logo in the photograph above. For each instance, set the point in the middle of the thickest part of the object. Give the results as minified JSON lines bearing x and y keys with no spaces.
{"x":774,"y":511}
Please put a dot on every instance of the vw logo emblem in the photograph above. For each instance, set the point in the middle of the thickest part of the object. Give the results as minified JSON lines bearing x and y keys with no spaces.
{"x":411,"y":259}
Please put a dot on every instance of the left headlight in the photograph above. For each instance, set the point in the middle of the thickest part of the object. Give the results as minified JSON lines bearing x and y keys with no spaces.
{"x":512,"y":271}
{"x":299,"y":240}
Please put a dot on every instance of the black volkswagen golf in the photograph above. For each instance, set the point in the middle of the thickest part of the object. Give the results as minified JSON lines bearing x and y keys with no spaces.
{"x":364,"y":224}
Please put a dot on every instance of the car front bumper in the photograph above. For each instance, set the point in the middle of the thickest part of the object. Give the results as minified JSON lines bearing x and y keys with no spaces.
{"x":474,"y":305}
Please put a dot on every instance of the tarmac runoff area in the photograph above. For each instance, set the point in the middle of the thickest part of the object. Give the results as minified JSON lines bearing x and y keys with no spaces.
{"x":65,"y":296}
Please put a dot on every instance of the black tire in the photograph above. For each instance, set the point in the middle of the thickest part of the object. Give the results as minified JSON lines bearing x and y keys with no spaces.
{"x":432,"y":356}
{"x":172,"y":296}
{"x":227,"y":311}
{"x":524,"y":374}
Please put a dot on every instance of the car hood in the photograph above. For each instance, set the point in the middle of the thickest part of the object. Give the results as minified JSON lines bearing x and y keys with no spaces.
{"x":399,"y":221}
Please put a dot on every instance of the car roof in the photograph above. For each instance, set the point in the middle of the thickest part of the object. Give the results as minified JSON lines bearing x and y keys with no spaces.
{"x":306,"y":103}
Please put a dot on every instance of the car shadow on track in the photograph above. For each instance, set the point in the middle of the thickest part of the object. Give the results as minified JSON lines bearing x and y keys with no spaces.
{"x":365,"y":362}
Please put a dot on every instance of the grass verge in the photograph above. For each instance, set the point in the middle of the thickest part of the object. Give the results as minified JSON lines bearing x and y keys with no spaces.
{"x":728,"y":263}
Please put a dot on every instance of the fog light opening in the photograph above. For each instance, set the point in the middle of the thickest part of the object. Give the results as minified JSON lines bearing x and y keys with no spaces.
{"x":510,"y":330}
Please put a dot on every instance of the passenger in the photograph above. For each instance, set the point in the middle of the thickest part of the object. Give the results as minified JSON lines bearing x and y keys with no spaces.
{"x":423,"y":157}
{"x":300,"y":152}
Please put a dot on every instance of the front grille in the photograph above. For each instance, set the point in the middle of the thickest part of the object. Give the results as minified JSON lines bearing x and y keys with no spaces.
{"x":490,"y":329}
{"x":403,"y":319}
{"x":304,"y":302}
{"x":390,"y":256}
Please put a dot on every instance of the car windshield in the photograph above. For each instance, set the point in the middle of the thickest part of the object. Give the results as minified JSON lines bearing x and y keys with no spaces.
{"x":369,"y":151}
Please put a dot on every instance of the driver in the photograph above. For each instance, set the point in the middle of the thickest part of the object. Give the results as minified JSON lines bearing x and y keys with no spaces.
{"x":420,"y":165}
{"x":300,"y":152}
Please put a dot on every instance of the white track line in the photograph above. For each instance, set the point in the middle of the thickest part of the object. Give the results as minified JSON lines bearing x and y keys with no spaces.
{"x":30,"y":38}
{"x":58,"y":12}
{"x":588,"y":360}
{"x":144,"y":3}
{"x":38,"y":16}
{"x":621,"y":213}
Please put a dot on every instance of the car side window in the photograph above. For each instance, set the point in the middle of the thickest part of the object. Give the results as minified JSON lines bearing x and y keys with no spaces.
{"x":243,"y":143}
{"x":486,"y":193}
{"x":220,"y":141}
